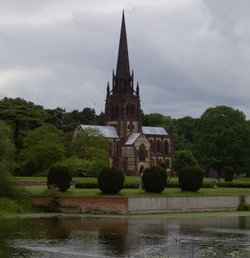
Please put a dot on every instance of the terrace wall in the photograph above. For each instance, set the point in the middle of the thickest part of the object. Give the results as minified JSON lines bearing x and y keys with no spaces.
{"x":122,"y":205}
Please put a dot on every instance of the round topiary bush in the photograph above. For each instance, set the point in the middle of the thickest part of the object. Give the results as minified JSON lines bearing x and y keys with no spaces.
{"x":190,"y":178}
{"x":154,"y":179}
{"x":59,"y":176}
{"x":228,"y":174}
{"x":110,"y":180}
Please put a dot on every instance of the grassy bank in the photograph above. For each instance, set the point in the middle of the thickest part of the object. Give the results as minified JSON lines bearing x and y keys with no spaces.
{"x":11,"y":207}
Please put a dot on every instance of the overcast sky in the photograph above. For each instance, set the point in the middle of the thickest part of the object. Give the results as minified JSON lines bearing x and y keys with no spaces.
{"x":187,"y":55}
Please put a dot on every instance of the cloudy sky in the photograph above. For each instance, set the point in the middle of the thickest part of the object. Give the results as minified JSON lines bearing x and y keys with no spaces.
{"x":188,"y":55}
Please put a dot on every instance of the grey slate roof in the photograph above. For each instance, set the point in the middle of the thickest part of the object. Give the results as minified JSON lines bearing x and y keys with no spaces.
{"x":132,"y":138}
{"x":110,"y":132}
{"x":106,"y":131}
{"x":148,"y":130}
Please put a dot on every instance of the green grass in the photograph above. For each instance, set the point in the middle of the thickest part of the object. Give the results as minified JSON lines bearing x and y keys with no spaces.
{"x":9,"y":207}
{"x":168,"y":192}
{"x":29,"y":178}
{"x":42,"y":190}
{"x":128,"y":179}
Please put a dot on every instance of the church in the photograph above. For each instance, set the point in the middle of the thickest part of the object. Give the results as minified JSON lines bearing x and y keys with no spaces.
{"x":132,"y":147}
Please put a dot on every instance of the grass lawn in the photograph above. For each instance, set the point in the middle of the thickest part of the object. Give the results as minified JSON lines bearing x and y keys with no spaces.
{"x":128,"y":179}
{"x":168,"y":192}
{"x":42,"y":190}
{"x":29,"y":178}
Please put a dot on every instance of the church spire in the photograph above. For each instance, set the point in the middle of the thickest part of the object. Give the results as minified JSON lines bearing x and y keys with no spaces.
{"x":122,"y":68}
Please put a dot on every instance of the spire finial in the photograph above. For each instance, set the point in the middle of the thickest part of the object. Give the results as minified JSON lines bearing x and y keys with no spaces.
{"x":122,"y":67}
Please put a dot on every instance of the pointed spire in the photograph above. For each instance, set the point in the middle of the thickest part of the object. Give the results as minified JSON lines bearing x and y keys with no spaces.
{"x":137,"y":89}
{"x":122,"y":68}
{"x":108,"y":89}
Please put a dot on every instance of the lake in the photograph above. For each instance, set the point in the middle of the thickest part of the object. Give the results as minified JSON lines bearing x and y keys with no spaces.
{"x":152,"y":236}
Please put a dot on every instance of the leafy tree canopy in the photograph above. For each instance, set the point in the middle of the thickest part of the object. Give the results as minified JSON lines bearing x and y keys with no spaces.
{"x":222,"y":139}
{"x":182,"y":159}
{"x":156,"y":119}
{"x":91,"y":145}
{"x":7,"y":152}
{"x":21,"y":115}
{"x":42,"y":147}
{"x":7,"y":148}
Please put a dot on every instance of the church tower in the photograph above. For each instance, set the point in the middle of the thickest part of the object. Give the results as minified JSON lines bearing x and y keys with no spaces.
{"x":132,"y":147}
{"x":122,"y":109}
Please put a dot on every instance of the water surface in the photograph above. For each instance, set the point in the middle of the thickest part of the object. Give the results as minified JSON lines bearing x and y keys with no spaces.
{"x":135,"y":236}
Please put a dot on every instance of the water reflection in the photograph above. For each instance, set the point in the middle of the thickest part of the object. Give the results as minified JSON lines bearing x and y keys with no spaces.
{"x":125,"y":237}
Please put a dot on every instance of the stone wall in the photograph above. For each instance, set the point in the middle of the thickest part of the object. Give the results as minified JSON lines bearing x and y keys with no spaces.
{"x":183,"y":204}
{"x":120,"y":205}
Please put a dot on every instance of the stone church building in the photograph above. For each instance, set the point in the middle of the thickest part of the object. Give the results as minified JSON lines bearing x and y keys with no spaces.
{"x":132,"y":147}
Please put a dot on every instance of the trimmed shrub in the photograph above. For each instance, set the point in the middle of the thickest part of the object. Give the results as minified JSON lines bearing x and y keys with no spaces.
{"x":228,"y":174}
{"x":111,"y":180}
{"x":59,"y":176}
{"x":154,"y":179}
{"x":190,"y":178}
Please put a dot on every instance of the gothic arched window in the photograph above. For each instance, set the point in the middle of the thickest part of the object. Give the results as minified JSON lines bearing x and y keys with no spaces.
{"x":159,"y":162}
{"x":142,"y":153}
{"x":166,"y":147}
{"x":158,"y":146}
{"x":152,"y":144}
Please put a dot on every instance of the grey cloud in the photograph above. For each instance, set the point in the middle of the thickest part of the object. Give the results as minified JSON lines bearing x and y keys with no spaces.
{"x":187,"y":55}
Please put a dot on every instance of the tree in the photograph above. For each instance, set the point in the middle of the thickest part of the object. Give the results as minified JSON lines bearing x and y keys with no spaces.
{"x":57,"y":117}
{"x":88,"y":116}
{"x":21,"y":116}
{"x":183,"y":132}
{"x":182,"y":159}
{"x":91,"y":145}
{"x":42,"y":147}
{"x":7,"y":153}
{"x":222,"y":139}
{"x":100,"y":119}
{"x":156,"y":119}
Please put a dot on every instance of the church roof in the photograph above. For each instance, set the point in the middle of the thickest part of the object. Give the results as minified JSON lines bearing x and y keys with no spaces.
{"x":132,"y":138}
{"x":106,"y":131}
{"x":149,"y":130}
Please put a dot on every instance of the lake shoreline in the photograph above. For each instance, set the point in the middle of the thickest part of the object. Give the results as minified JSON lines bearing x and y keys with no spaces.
{"x":61,"y":215}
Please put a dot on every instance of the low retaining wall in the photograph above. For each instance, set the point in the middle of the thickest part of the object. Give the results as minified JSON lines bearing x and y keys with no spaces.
{"x":120,"y":205}
{"x":184,"y":204}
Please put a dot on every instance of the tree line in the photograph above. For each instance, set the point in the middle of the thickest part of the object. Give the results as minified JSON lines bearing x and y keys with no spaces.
{"x":219,"y":138}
